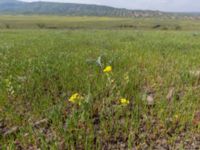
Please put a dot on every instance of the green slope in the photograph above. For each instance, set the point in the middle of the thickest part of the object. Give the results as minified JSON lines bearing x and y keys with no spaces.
{"x":19,"y":7}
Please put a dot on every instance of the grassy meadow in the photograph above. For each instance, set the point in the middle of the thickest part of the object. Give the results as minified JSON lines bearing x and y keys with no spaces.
{"x":74,"y":23}
{"x":155,"y":71}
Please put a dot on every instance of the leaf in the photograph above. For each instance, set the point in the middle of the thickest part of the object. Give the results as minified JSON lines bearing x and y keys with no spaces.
{"x":195,"y":73}
{"x":11,"y":131}
{"x":150,"y":100}
{"x":99,"y":61}
{"x":40,"y":123}
{"x":196,"y":120}
{"x":170,"y":94}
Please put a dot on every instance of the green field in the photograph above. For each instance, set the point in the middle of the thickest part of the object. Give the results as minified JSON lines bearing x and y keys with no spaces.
{"x":63,"y":22}
{"x":156,"y":70}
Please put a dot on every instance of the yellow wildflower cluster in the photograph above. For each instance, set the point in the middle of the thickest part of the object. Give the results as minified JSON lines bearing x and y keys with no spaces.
{"x":124,"y":101}
{"x":76,"y":98}
{"x":108,"y":69}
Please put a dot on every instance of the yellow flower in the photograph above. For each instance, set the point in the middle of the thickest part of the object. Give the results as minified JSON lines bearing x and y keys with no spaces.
{"x":75,"y":98}
{"x":176,"y":116}
{"x":107,"y":69}
{"x":124,"y":101}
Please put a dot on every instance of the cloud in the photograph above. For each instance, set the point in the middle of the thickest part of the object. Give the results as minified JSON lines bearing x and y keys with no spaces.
{"x":164,"y":5}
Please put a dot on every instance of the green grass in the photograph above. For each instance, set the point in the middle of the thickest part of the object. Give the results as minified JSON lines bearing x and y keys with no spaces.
{"x":41,"y":69}
{"x":67,"y":22}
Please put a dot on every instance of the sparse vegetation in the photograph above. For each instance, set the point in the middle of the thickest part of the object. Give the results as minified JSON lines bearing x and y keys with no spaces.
{"x":41,"y":25}
{"x":99,"y":89}
{"x":7,"y":26}
{"x":66,"y":22}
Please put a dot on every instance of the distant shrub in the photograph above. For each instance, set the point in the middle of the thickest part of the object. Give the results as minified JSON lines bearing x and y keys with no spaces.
{"x":7,"y":26}
{"x":41,"y":25}
{"x":156,"y":26}
{"x":178,"y":27}
{"x":52,"y":27}
{"x":195,"y":34}
{"x":165,"y":28}
{"x":127,"y":26}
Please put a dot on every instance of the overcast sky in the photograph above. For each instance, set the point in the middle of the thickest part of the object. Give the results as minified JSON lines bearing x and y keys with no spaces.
{"x":164,"y":5}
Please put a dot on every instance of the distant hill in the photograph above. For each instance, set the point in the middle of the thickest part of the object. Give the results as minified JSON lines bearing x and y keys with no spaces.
{"x":19,"y":7}
{"x":71,"y":9}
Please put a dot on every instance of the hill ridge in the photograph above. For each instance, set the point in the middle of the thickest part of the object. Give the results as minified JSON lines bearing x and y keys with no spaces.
{"x":71,"y":9}
{"x":75,"y":9}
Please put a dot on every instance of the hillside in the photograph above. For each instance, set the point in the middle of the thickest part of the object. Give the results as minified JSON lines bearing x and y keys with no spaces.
{"x":72,"y":9}
{"x":19,"y":7}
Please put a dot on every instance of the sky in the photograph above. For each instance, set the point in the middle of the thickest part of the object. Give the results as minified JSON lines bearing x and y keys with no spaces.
{"x":163,"y":5}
